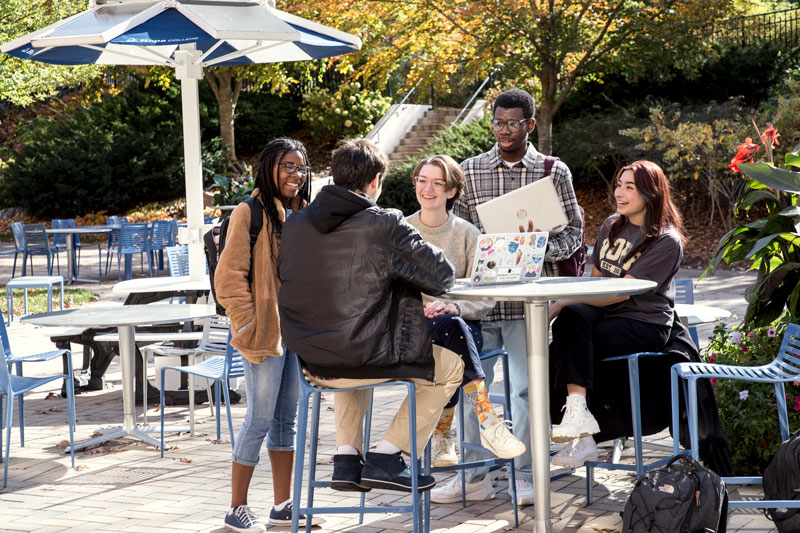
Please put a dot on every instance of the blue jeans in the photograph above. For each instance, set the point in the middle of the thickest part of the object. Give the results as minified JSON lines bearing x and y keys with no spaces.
{"x":511,"y":335}
{"x":272,"y":389}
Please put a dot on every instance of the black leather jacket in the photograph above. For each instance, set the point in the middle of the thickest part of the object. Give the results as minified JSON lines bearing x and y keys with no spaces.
{"x":351,"y":276}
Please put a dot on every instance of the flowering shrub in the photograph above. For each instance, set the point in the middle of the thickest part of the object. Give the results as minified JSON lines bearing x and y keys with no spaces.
{"x":748,"y":410}
{"x":771,"y":243}
{"x":350,"y":112}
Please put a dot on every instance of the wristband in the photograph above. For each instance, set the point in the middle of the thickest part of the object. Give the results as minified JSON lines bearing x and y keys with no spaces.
{"x":458,"y":308}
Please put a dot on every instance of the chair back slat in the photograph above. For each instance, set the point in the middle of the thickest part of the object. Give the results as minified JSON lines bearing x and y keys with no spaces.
{"x":178,"y":258}
{"x":133,"y":238}
{"x":684,"y":291}
{"x":19,"y":235}
{"x":113,"y":237}
{"x":160,"y":234}
{"x":59,"y":239}
{"x":36,"y":238}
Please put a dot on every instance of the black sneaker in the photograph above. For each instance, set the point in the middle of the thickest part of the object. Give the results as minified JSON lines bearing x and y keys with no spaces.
{"x":283,"y":517}
{"x":388,"y":471}
{"x":347,"y":473}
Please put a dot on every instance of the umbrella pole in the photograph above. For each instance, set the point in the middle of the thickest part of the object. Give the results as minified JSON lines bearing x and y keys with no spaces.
{"x":189,"y":71}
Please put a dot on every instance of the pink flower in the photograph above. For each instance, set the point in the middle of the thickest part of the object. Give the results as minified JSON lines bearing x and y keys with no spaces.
{"x":713,"y":381}
{"x":712,"y":359}
{"x":797,"y":407}
{"x":745,"y":349}
{"x":751,"y":335}
{"x":771,"y":333}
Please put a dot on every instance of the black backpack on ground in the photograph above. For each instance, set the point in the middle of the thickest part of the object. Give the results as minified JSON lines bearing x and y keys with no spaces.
{"x":681,"y":497}
{"x":214,"y":242}
{"x":782,"y":482}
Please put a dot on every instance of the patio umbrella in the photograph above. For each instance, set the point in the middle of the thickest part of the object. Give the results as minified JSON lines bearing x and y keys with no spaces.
{"x":187,"y":35}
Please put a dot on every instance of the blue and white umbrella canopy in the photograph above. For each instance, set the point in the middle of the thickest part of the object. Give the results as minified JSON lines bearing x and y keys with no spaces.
{"x":186,"y":35}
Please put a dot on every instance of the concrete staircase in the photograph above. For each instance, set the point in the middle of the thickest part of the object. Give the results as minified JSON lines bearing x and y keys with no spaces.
{"x":423,"y":131}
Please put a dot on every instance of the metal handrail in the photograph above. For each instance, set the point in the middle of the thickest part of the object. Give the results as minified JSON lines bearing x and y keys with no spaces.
{"x":385,"y":118}
{"x":474,"y":95}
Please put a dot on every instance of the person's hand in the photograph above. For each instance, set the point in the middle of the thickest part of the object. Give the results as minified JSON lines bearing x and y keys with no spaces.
{"x":438,"y":308}
{"x":530,"y":227}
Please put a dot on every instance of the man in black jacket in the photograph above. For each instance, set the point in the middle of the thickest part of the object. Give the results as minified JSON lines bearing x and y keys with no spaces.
{"x":350,"y":307}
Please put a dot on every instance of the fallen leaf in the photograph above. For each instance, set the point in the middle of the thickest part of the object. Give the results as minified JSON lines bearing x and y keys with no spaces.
{"x":185,"y":460}
{"x":81,"y":467}
{"x":52,"y":395}
{"x":62,"y":444}
{"x":384,"y":504}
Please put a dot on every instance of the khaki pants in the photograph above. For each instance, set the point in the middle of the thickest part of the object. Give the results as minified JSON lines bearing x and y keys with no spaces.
{"x":431,"y":397}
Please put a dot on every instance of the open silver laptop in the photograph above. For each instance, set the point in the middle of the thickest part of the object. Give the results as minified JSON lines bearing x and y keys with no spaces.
{"x":537,"y":201}
{"x":508,"y":258}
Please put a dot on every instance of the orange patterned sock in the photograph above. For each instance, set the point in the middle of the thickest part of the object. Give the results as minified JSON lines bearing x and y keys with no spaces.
{"x":479,"y":398}
{"x":445,"y":421}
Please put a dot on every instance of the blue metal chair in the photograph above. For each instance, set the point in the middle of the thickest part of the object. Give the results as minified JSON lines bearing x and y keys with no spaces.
{"x":11,"y":386}
{"x":113,"y":237}
{"x":19,"y":245}
{"x":308,"y":391}
{"x":494,"y":462}
{"x":225,"y":363}
{"x":133,"y":239}
{"x":784,"y":368}
{"x":178,"y":259}
{"x":37,"y":243}
{"x":160,"y":238}
{"x":683,"y":294}
{"x":17,"y":361}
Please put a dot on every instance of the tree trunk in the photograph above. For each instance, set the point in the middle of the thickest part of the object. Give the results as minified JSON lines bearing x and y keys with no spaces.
{"x":544,"y":123}
{"x":226,"y":90}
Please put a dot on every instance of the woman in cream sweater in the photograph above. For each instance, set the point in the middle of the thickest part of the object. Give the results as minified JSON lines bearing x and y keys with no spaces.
{"x":455,"y":324}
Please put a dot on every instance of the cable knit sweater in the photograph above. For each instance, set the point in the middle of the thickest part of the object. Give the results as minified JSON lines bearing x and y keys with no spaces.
{"x":457,"y":238}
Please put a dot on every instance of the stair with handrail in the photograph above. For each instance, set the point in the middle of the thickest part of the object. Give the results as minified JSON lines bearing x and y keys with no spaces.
{"x":434,"y":121}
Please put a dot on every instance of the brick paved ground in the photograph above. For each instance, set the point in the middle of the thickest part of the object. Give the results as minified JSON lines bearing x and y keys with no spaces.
{"x":126,"y":486}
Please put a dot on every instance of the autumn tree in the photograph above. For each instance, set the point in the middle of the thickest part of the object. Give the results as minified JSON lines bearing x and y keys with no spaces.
{"x":545,"y":46}
{"x":23,"y":81}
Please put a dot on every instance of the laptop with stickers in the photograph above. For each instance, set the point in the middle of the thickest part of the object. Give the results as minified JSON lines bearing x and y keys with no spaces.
{"x":508,"y":258}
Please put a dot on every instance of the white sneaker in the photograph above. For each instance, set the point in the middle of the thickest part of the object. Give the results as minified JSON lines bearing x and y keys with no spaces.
{"x":524,"y":491}
{"x":576,"y":452}
{"x":444,"y":450}
{"x":450,"y":492}
{"x":500,"y":441}
{"x":577,"y":422}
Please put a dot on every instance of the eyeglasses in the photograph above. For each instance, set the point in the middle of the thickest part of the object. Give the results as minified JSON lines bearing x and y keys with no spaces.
{"x":513,"y":125}
{"x":292,"y":168}
{"x":436,"y":184}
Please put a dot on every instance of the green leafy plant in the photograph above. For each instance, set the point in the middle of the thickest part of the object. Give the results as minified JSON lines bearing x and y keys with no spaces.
{"x":232,"y":189}
{"x":748,"y":410}
{"x":350,"y":112}
{"x":772,"y":242}
{"x":37,"y":300}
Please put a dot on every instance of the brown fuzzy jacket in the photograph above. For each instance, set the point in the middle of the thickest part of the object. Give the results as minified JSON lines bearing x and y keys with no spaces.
{"x":253,"y":307}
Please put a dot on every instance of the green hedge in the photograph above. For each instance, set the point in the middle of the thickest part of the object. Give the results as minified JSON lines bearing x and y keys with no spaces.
{"x":112,"y":155}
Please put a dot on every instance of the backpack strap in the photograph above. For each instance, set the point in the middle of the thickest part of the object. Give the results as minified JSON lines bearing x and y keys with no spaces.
{"x":549,"y":161}
{"x":256,"y":219}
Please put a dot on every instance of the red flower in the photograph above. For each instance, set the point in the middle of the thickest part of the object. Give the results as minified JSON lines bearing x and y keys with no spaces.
{"x":744,"y":154}
{"x":713,"y":381}
{"x":770,"y":135}
{"x":745,"y":349}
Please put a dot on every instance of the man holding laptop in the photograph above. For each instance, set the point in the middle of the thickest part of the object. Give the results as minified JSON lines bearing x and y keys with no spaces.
{"x":512,"y":163}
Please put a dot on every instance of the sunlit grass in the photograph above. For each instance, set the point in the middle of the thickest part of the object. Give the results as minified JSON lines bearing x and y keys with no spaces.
{"x":37,"y":299}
